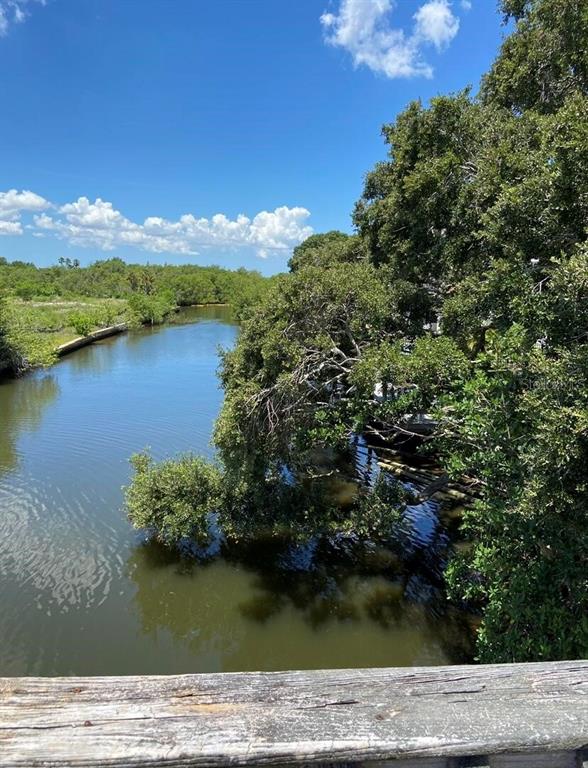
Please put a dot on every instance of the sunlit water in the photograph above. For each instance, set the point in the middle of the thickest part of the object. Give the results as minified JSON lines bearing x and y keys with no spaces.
{"x":82,"y":593}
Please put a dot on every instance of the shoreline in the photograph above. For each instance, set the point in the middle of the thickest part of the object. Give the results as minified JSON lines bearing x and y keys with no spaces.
{"x":102,"y":333}
{"x":84,"y":341}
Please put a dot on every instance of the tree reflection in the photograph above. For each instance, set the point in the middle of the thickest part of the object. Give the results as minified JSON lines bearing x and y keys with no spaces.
{"x":22,"y":405}
{"x":273,"y":605}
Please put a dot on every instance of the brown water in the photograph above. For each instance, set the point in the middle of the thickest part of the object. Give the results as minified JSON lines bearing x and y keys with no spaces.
{"x":82,"y":593}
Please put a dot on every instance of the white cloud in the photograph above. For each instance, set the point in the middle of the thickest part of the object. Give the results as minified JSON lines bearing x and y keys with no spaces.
{"x":436,"y":24}
{"x":363,"y":28}
{"x":13,"y":204}
{"x":98,"y":224}
{"x":13,"y":201}
{"x":10,"y":228}
{"x":466,"y":5}
{"x":14,"y":12}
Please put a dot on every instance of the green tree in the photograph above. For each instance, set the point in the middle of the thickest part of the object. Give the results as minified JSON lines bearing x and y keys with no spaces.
{"x":545,"y":61}
{"x":174,"y":499}
{"x":325,"y":250}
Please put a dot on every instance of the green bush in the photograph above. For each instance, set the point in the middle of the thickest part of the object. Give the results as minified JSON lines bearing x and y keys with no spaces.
{"x":173,"y":498}
{"x":150,"y":310}
{"x":26,"y":291}
{"x":81,"y":322}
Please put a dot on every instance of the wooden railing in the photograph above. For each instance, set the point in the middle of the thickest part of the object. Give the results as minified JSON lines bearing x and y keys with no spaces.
{"x":532,"y":715}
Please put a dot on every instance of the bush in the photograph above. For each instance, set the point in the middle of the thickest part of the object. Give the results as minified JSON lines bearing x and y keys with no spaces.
{"x":173,"y":499}
{"x":151,"y":310}
{"x":81,"y":322}
{"x":26,"y":291}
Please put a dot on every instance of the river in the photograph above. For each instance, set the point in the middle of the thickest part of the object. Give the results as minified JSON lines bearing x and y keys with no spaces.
{"x":82,"y":593}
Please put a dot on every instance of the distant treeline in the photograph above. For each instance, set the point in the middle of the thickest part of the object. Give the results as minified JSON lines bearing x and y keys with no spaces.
{"x":43,"y":307}
{"x":113,"y":278}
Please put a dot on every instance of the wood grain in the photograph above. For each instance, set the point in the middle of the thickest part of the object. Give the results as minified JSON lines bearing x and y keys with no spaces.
{"x":550,"y":760}
{"x":341,"y":716}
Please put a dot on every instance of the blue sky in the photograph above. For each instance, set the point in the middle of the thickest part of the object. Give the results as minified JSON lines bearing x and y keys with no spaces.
{"x":210,"y":132}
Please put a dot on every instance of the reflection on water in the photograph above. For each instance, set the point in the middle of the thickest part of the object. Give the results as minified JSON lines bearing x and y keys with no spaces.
{"x":21,"y":409}
{"x":81,"y":593}
{"x":252,"y":614}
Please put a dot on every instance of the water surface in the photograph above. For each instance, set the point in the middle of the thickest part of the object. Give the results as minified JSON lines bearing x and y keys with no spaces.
{"x":82,"y":593}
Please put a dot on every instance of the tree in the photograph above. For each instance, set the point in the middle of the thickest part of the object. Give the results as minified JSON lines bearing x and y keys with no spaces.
{"x":150,"y":309}
{"x":325,"y":250}
{"x":286,"y":383}
{"x":545,"y":61}
{"x":174,"y":499}
{"x":409,"y":213}
{"x":521,"y":427}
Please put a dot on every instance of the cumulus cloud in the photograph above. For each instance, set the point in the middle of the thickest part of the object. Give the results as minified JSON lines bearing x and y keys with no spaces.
{"x":10,"y":227}
{"x":363,"y":28}
{"x":100,"y":225}
{"x":14,"y":12}
{"x":13,"y":204}
{"x":435,"y":23}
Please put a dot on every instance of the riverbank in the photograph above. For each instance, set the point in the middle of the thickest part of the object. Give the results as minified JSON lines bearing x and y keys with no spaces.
{"x":45,"y":333}
{"x":43,"y":308}
{"x":114,"y":330}
{"x":34,"y":332}
{"x":83,"y":341}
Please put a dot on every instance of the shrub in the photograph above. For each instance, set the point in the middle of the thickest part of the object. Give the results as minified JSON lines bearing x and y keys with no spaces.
{"x":81,"y":322}
{"x":173,"y":499}
{"x":150,"y":310}
{"x":26,"y":291}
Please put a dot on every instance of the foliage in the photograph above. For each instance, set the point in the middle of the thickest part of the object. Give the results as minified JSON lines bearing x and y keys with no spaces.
{"x":8,"y":354}
{"x":150,"y":309}
{"x":521,"y":426}
{"x":545,"y":61}
{"x":81,"y":322}
{"x":173,"y":498}
{"x":292,"y":360}
{"x":325,"y":250}
{"x":379,"y":510}
{"x":113,"y":278}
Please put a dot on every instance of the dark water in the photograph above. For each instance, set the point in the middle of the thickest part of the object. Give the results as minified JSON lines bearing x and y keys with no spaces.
{"x":82,"y":593}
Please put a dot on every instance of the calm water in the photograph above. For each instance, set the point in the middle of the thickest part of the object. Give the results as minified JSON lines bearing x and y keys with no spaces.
{"x":82,"y":593}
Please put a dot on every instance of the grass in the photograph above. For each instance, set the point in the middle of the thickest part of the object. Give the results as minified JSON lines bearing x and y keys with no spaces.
{"x":36,"y":328}
{"x":59,"y":320}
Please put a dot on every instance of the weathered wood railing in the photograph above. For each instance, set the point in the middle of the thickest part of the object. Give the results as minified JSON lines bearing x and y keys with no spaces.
{"x":532,"y":715}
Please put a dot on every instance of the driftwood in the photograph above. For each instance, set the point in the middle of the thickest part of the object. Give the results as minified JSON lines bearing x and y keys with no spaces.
{"x":532,"y":715}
